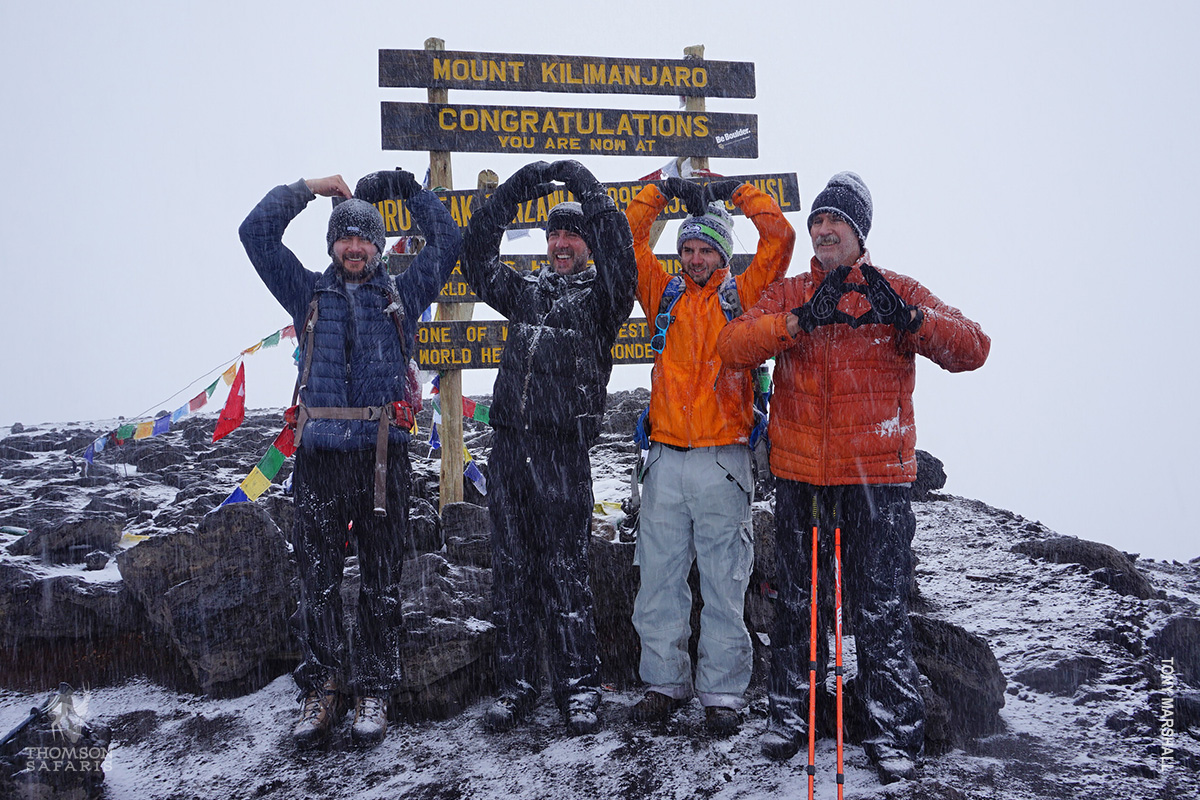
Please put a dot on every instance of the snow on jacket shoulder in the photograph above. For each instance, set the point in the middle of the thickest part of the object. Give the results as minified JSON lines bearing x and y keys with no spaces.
{"x":358,"y":357}
{"x":695,"y":399}
{"x":842,"y":411}
{"x":557,"y":360}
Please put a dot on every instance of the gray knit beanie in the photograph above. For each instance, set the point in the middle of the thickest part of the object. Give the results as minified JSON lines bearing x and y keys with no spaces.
{"x":356,"y":217}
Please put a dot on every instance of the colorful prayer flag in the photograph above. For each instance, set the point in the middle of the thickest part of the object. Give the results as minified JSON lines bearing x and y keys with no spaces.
{"x":161,"y":424}
{"x":255,"y":484}
{"x":235,"y":406}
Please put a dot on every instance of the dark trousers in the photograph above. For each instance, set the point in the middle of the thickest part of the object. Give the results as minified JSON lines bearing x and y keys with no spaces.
{"x":540,"y":501}
{"x":333,"y":489}
{"x":877,"y":529}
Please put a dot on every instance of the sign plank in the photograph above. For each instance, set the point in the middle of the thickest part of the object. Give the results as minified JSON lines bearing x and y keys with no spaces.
{"x":457,"y":290}
{"x":516,"y":72}
{"x":567,"y":132}
{"x":478,"y":344}
{"x":783,"y":187}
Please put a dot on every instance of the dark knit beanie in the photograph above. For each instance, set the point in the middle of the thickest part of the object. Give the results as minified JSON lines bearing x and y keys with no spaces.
{"x":356,"y":218}
{"x":714,"y":227}
{"x":566,"y":216}
{"x":847,"y":196}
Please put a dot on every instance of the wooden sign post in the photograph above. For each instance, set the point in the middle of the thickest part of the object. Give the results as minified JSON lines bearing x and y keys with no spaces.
{"x":453,"y":343}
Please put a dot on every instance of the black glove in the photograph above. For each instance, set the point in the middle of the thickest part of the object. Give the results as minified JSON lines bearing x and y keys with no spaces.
{"x":722,"y":190}
{"x":578,"y":179}
{"x":692,"y":194}
{"x":528,"y":183}
{"x":822,"y":308}
{"x":386,"y":184}
{"x":887,"y":307}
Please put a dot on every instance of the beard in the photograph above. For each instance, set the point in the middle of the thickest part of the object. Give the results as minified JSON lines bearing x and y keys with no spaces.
{"x":368,"y":270}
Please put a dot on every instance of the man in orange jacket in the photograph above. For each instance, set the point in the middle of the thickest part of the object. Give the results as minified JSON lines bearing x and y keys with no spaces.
{"x":698,"y":481}
{"x":843,"y":448}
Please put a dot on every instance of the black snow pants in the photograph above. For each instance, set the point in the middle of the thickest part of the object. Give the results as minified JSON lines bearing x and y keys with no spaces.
{"x":877,"y":529}
{"x":540,"y":501}
{"x":333,"y":489}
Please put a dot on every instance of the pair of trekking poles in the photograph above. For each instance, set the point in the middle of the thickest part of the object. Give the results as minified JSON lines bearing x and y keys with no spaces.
{"x":812,"y":646}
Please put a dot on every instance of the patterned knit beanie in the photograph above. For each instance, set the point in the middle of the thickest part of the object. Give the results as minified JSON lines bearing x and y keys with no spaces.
{"x":847,"y":196}
{"x":714,"y":227}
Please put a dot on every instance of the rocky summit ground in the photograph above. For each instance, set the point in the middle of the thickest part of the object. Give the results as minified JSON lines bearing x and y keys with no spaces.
{"x":1100,"y":704}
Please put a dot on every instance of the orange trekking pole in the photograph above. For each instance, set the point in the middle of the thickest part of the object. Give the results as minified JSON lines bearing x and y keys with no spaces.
{"x":812,"y":657}
{"x":837,"y":628}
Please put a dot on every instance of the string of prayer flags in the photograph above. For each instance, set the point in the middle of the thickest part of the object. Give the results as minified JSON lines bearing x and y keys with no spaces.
{"x":254,"y":484}
{"x":163,"y":423}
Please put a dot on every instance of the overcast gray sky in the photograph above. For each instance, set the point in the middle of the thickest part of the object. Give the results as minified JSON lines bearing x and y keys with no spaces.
{"x":1032,"y":163}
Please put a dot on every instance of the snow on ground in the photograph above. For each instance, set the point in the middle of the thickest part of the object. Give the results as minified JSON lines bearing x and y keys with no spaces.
{"x":171,"y":746}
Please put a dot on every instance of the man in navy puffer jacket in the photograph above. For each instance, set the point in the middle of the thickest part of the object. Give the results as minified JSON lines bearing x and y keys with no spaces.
{"x":356,"y":325}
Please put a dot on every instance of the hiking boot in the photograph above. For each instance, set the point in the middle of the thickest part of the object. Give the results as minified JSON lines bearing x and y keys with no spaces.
{"x":892,"y":763}
{"x":655,"y":707}
{"x":319,"y":711}
{"x":779,"y":744}
{"x":505,"y":713}
{"x":722,"y":720}
{"x":580,"y":712}
{"x":370,"y":720}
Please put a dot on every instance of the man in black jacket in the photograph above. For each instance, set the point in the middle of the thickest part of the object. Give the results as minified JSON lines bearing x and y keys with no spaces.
{"x":547,"y":406}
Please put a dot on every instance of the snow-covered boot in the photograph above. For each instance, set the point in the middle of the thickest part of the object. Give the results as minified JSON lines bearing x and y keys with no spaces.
{"x":319,"y":712}
{"x":370,"y":720}
{"x":655,"y":707}
{"x":506,"y":712}
{"x":722,"y":720}
{"x":581,"y":712}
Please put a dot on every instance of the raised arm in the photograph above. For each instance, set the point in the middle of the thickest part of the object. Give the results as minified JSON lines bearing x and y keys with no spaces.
{"x":776,"y":237}
{"x":262,"y":237}
{"x":496,"y":284}
{"x":607,"y":230}
{"x":651,"y":278}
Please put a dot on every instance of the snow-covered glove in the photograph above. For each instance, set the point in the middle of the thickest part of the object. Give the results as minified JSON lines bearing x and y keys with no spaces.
{"x":722,"y":190}
{"x":578,"y":179}
{"x":386,"y":184}
{"x":528,"y":183}
{"x":692,"y":194}
{"x":887,"y":307}
{"x":822,"y":308}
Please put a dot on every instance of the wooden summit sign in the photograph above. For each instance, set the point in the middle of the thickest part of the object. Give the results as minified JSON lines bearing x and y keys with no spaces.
{"x":478,"y":344}
{"x":445,"y":69}
{"x":462,"y":203}
{"x":567,"y":132}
